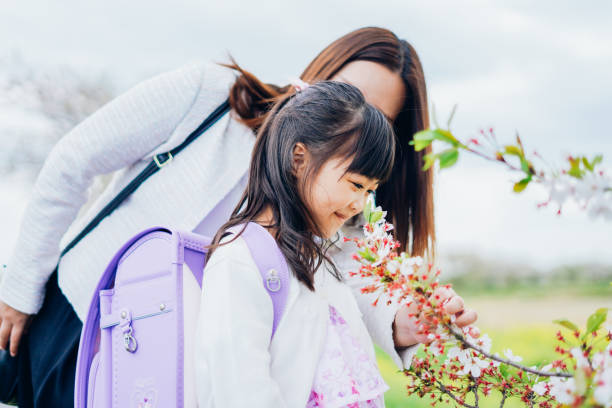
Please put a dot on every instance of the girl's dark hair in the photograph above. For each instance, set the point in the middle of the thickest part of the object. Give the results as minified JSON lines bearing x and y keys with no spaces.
{"x":332,"y":120}
{"x":408,"y":194}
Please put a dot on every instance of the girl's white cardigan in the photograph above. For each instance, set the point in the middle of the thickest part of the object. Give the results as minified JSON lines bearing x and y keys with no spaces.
{"x":122,"y":137}
{"x":236,"y":365}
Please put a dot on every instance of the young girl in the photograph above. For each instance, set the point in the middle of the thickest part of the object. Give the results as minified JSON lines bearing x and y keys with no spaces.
{"x":318,"y":156}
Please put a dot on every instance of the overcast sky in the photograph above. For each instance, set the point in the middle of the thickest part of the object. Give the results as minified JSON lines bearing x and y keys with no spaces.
{"x":542,"y":68}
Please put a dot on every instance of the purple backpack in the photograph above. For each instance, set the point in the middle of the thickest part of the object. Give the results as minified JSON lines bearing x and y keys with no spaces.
{"x":136,"y":346}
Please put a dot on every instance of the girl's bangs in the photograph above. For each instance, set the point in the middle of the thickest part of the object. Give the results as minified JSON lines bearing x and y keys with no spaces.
{"x":372,"y":147}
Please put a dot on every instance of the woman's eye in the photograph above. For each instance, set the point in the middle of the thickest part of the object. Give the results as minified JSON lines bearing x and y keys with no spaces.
{"x":359,"y":186}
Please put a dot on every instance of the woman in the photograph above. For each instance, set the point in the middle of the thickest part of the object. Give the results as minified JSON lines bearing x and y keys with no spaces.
{"x":195,"y":192}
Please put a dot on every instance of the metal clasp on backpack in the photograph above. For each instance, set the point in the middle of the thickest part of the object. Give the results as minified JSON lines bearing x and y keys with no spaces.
{"x":273,"y":282}
{"x":130,"y":341}
{"x":125,"y":324}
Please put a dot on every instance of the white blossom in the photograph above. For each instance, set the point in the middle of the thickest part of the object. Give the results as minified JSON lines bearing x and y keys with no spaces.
{"x":510,"y":356}
{"x":540,"y":388}
{"x":562,"y":389}
{"x":602,"y":362}
{"x":591,"y":192}
{"x":484,"y":342}
{"x":581,"y":360}
{"x":471,"y":365}
{"x":603,"y":390}
{"x":560,"y":189}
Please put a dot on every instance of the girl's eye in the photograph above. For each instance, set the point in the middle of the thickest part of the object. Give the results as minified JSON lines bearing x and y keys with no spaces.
{"x":360,"y":187}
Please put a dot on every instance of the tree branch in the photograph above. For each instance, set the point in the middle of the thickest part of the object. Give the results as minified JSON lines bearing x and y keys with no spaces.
{"x":445,"y":390}
{"x":503,"y":400}
{"x":462,"y":339}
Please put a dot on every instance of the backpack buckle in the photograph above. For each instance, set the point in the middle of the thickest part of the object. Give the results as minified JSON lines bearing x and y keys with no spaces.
{"x":125,"y":324}
{"x":273,"y":282}
{"x":130,"y":342}
{"x":165,"y":159}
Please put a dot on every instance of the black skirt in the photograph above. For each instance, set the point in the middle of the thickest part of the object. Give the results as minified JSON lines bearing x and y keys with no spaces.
{"x":48,"y":353}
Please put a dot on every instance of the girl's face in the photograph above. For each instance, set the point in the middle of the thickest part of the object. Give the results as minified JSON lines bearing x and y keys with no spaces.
{"x":334,"y":196}
{"x":380,"y":86}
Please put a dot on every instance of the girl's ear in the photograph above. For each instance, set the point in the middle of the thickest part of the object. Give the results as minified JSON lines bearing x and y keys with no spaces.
{"x":300,"y":159}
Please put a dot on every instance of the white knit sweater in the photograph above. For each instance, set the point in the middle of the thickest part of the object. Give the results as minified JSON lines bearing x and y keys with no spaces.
{"x":122,"y":137}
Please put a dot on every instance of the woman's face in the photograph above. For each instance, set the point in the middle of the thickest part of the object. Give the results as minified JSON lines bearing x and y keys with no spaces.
{"x":334,"y":196}
{"x":381,"y":87}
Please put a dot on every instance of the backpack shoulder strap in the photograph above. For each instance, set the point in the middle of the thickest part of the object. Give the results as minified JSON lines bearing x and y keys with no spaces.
{"x":271,"y":265}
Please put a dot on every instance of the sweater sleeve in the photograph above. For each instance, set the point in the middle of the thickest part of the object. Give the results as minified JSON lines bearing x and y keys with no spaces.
{"x":233,"y":337}
{"x":119,"y":134}
{"x":378,"y":319}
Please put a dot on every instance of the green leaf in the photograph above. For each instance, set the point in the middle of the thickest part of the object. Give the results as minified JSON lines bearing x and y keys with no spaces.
{"x":597,"y":160}
{"x":575,"y":170}
{"x":367,"y":210}
{"x":503,"y":369}
{"x":430,"y":159}
{"x":586,"y":163}
{"x":422,"y":139}
{"x":513,"y":150}
{"x":448,"y":158}
{"x":420,"y":144}
{"x":427,"y":134}
{"x":567,"y":324}
{"x":375,"y":216}
{"x":596,"y":319}
{"x":521,"y":185}
{"x":446,"y":136}
{"x":525,"y":165}
{"x":367,"y":255}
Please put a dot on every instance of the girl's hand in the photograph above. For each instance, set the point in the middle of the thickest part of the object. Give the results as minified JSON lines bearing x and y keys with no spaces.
{"x":405,"y":330}
{"x":13,"y":323}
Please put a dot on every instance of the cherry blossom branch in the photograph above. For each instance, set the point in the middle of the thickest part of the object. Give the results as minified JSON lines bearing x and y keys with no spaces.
{"x":445,"y":390}
{"x":462,"y":339}
{"x":455,"y":355}
{"x":581,"y":180}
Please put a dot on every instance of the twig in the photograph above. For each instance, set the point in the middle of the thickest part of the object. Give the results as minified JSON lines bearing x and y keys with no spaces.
{"x":462,"y":339}
{"x":475,"y":389}
{"x":445,"y":390}
{"x":503,"y":400}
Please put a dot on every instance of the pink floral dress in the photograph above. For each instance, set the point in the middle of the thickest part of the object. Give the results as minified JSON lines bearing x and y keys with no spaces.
{"x":346,"y":376}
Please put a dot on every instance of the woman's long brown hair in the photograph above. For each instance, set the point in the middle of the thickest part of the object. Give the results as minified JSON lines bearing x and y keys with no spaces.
{"x":408,"y":194}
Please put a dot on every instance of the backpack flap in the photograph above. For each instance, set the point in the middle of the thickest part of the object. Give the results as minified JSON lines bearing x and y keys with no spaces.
{"x":142,"y":302}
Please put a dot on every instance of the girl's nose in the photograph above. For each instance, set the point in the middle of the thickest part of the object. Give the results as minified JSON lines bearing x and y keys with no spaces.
{"x":357,"y":205}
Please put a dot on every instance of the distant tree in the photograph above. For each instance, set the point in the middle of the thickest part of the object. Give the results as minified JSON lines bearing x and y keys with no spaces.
{"x":38,"y":106}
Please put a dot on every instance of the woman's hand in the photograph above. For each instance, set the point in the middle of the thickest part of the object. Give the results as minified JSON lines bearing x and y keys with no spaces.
{"x":13,"y":324}
{"x":405,"y":330}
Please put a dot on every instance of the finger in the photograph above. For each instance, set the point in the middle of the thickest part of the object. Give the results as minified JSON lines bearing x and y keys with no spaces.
{"x":467,"y":317}
{"x":442,"y":294}
{"x":16,"y":334}
{"x":474,"y":331}
{"x":454,"y":305}
{"x":5,"y":330}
